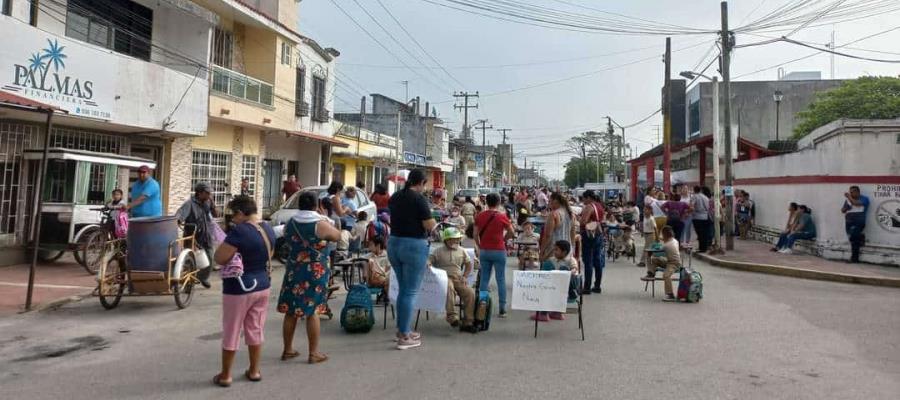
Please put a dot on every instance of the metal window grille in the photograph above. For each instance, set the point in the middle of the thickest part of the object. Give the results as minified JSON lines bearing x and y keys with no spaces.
{"x":319,"y":112}
{"x":223,"y":47}
{"x":16,"y":190}
{"x":90,"y":141}
{"x":301,"y":107}
{"x":214,"y":168}
{"x":248,"y":171}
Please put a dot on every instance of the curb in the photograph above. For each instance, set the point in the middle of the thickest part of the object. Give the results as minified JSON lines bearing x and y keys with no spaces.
{"x":55,"y":304}
{"x":800,"y":272}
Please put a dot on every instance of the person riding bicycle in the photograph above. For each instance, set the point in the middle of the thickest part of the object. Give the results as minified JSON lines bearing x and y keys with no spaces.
{"x":197,"y":214}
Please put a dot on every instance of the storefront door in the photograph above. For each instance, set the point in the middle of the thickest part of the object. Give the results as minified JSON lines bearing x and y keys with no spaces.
{"x":271,"y":183}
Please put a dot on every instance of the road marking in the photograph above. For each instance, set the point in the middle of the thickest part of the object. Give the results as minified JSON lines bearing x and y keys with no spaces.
{"x":44,"y":286}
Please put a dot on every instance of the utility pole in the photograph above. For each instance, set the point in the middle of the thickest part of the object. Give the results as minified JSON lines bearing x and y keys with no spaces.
{"x":610,"y":143}
{"x":507,"y":163}
{"x":667,"y":120}
{"x":465,"y":131}
{"x":727,"y":44}
{"x":399,"y":150}
{"x":484,"y":149}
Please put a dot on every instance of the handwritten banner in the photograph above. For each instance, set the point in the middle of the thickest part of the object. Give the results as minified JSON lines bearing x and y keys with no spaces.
{"x":432,"y":295}
{"x":540,"y":290}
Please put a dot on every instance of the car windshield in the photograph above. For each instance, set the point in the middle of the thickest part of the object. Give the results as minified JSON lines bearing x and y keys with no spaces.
{"x":485,"y":190}
{"x":291,"y":203}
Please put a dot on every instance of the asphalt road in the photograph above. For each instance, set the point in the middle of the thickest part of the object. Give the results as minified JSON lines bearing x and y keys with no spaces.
{"x":752,"y":337}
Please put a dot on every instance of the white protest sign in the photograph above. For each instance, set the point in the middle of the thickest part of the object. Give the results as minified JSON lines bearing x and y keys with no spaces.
{"x":540,"y":290}
{"x":473,"y":276}
{"x":432,"y":295}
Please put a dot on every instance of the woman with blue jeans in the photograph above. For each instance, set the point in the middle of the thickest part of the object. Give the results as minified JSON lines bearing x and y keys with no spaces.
{"x":408,"y":251}
{"x":492,"y":227}
{"x":592,"y":254}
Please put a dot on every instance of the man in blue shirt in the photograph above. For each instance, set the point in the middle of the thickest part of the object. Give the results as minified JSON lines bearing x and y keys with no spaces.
{"x":145,"y":195}
{"x":855,"y":207}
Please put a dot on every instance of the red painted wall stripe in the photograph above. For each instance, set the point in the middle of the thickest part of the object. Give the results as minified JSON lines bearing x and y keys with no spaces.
{"x":808,"y":179}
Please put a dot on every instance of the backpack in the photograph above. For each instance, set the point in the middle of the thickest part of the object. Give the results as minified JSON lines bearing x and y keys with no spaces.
{"x":358,"y":315}
{"x":690,"y":285}
{"x":483,"y":310}
{"x":121,"y":225}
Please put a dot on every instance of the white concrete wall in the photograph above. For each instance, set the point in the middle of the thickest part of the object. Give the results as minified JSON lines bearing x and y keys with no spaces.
{"x":839,"y":149}
{"x":279,"y":147}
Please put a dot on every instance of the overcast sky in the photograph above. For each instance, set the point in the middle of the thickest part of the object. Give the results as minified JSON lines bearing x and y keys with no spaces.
{"x":487,"y":55}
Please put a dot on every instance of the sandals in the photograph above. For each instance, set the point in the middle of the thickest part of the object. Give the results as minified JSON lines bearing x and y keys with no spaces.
{"x":317,"y":358}
{"x":251,"y":378}
{"x":289,"y":355}
{"x":217,"y":380}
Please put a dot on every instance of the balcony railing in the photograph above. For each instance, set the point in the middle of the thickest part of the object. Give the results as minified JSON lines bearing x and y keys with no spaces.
{"x":241,"y":86}
{"x":321,"y":114}
{"x":301,"y":108}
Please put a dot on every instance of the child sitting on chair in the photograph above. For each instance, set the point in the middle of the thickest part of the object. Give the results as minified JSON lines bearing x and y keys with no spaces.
{"x":669,"y":262}
{"x":562,"y":260}
{"x":358,"y":232}
{"x":376,"y":275}
{"x":527,"y":242}
{"x":451,"y":257}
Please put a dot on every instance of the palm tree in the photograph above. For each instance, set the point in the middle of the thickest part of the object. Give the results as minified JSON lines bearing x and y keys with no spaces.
{"x":36,"y":62}
{"x":54,"y":55}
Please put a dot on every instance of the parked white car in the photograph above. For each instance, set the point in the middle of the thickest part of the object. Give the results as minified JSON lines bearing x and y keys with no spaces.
{"x":289,"y":208}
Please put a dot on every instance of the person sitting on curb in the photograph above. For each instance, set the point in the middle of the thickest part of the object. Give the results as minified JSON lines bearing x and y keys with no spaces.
{"x":452,"y":258}
{"x":561,"y":260}
{"x":671,"y":262}
{"x":805,"y":229}
{"x":788,"y":227}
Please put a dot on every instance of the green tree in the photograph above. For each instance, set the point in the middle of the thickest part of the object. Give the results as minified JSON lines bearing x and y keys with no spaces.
{"x":580,"y":171}
{"x":862,"y":98}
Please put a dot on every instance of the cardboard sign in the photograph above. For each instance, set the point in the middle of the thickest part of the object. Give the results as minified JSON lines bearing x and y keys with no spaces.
{"x":432,"y":295}
{"x":540,"y":290}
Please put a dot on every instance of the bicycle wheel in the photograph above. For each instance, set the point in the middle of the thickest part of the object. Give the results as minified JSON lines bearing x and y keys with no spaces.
{"x":95,"y":245}
{"x":48,"y":255}
{"x":81,"y":246}
{"x":183,"y":289}
{"x":113,"y":279}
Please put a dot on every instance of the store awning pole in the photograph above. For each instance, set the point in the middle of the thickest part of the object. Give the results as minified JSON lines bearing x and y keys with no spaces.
{"x":36,"y":243}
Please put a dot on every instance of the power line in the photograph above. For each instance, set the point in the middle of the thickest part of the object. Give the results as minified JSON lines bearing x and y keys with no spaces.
{"x":419,"y":45}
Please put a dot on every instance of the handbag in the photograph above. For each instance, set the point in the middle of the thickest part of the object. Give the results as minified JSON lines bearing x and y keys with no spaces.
{"x":592,"y":227}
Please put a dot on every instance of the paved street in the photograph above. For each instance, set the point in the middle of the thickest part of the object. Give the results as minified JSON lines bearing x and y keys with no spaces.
{"x":753,"y":336}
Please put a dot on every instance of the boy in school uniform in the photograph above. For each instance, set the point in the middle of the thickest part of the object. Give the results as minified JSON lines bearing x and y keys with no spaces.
{"x":451,"y":257}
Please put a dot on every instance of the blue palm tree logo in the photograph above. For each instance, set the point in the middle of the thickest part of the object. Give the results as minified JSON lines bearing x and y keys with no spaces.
{"x":54,"y":55}
{"x":36,"y":62}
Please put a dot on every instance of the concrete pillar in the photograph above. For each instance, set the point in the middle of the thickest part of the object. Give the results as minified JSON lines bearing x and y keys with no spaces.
{"x":634,"y":180}
{"x":702,"y":166}
{"x":181,"y":153}
{"x":650,"y":169}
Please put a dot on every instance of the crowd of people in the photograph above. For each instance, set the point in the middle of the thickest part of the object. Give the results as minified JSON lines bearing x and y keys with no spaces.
{"x":543,"y":230}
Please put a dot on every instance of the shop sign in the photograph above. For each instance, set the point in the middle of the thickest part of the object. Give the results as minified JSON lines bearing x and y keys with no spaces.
{"x":57,"y":71}
{"x":886,"y":199}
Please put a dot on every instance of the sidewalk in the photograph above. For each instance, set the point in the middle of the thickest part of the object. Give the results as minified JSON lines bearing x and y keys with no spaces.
{"x":53,"y":282}
{"x":750,"y":255}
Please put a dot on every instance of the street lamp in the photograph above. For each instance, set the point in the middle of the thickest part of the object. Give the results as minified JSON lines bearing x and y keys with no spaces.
{"x":778,"y":96}
{"x":717,"y":192}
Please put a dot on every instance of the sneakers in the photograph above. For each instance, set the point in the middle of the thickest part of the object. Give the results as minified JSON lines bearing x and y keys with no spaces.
{"x":415,"y":335}
{"x":786,"y":251}
{"x":454,"y":322}
{"x":669,"y":298}
{"x":542,"y":317}
{"x":586,"y":292}
{"x":557,"y":316}
{"x":597,"y":290}
{"x":468,"y":328}
{"x":408,"y":342}
{"x":641,"y":264}
{"x":502,"y":314}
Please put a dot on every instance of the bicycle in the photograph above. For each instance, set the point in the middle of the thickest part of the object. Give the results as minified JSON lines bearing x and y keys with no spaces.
{"x":90,"y":255}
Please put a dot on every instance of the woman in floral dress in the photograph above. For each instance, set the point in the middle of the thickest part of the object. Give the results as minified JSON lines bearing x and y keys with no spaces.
{"x":304,"y":289}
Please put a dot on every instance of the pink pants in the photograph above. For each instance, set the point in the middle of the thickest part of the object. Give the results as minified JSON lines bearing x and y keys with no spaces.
{"x":247,"y":311}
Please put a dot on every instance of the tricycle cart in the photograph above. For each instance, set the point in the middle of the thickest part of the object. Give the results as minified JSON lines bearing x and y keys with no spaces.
{"x":79,"y":182}
{"x":154,"y":262}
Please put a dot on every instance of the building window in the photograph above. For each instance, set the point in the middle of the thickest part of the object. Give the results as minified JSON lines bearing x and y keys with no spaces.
{"x":248,"y":171}
{"x":337,"y":175}
{"x":214,"y":168}
{"x":119,"y":25}
{"x":319,"y":113}
{"x":5,"y":7}
{"x":694,"y":115}
{"x":324,"y":159}
{"x":285,"y":53}
{"x":301,"y":107}
{"x":223,"y":48}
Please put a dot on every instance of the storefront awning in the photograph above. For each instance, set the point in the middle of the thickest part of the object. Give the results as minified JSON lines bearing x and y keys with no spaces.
{"x":8,"y":99}
{"x":319,"y":138}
